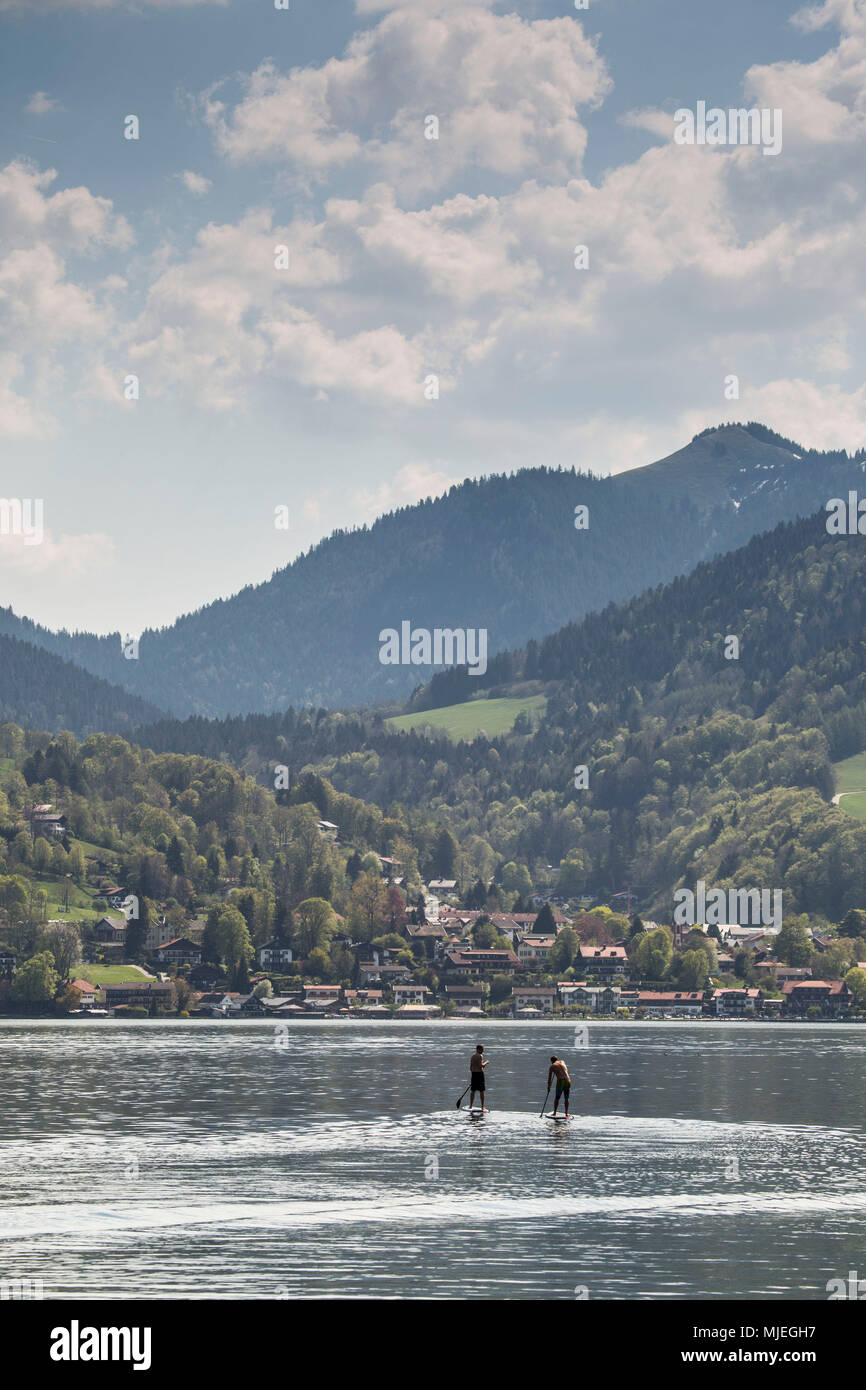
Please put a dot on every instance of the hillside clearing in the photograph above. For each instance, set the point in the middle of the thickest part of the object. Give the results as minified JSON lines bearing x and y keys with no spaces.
{"x":850,"y":777}
{"x":111,"y":974}
{"x":851,"y":774}
{"x":467,"y":721}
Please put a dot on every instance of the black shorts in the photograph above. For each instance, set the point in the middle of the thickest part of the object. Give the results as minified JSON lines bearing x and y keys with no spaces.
{"x":477,"y":1080}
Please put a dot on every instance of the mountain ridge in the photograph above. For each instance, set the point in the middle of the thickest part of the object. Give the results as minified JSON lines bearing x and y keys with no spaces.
{"x":500,"y":553}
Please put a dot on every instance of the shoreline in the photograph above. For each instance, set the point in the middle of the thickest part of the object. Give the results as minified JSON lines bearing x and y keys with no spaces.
{"x":486,"y":1023}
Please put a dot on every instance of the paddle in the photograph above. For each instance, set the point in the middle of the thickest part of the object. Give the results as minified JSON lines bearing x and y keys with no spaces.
{"x":464,"y":1093}
{"x":545,"y":1103}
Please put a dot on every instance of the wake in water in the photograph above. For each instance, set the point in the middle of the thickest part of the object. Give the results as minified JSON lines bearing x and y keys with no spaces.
{"x":29,"y":1222}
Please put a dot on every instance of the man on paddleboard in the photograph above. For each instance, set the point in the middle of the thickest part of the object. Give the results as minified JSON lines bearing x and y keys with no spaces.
{"x":476,"y":1075}
{"x":559,"y":1070}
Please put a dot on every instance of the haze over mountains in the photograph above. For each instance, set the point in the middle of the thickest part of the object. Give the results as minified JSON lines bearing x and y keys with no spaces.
{"x":501,"y":553}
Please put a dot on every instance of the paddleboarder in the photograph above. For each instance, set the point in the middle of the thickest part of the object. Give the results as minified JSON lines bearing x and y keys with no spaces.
{"x":559,"y":1070}
{"x":476,"y":1075}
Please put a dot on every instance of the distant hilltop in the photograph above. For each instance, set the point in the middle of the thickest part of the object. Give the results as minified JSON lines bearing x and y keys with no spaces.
{"x":502,"y":555}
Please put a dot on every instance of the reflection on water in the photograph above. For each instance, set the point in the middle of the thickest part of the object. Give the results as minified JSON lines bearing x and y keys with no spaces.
{"x":172,"y":1160}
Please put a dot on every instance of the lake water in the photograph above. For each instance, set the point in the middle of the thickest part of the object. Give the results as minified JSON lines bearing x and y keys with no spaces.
{"x":197,"y":1160}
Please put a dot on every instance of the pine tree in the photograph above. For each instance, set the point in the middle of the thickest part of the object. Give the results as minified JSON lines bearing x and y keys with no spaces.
{"x":545,"y":922}
{"x":445,"y":854}
{"x":174,"y":856}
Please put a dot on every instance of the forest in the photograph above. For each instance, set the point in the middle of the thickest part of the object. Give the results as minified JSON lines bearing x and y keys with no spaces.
{"x":692,"y":759}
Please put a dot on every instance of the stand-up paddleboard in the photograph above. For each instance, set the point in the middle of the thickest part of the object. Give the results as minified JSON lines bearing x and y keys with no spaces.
{"x":558,"y":1119}
{"x":476,"y":1113}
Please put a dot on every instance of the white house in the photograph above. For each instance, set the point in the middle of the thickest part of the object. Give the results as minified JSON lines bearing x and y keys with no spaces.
{"x":534,"y":950}
{"x":321,"y":993}
{"x":602,"y":999}
{"x":411,"y":994}
{"x":688,"y":1003}
{"x":533,"y":997}
{"x":274,"y":955}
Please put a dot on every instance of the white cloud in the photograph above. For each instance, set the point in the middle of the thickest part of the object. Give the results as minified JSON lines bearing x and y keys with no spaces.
{"x":194,"y":183}
{"x":41,"y":104}
{"x":44,"y":312}
{"x":378,"y":364}
{"x":460,"y":250}
{"x":41,"y":307}
{"x":70,"y":220}
{"x":284,"y":118}
{"x":701,"y":261}
{"x":712,"y":255}
{"x":506,"y":92}
{"x":824,"y":102}
{"x":818,"y":417}
{"x":223,"y":316}
{"x":19,"y":418}
{"x":63,"y":555}
{"x":660,"y":123}
{"x":412,"y":483}
{"x":208,"y":324}
{"x":849,"y":15}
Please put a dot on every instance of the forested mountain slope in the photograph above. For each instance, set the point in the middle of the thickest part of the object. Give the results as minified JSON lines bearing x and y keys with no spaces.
{"x":696,"y":764}
{"x":500,"y":554}
{"x":41,"y":690}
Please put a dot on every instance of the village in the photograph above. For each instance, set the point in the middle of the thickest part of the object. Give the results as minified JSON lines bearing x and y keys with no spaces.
{"x":432,"y":967}
{"x":434,"y":950}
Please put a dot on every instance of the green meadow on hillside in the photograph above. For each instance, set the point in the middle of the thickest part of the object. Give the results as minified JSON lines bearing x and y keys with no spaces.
{"x":466,"y":721}
{"x":851,"y":774}
{"x":80,"y":902}
{"x":854,"y":805}
{"x":111,"y":974}
{"x":851,"y":784}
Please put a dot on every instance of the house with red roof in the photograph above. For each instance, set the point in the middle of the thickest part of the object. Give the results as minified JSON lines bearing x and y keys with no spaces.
{"x":534,"y":950}
{"x":88,"y":992}
{"x":179,"y":951}
{"x":602,"y":960}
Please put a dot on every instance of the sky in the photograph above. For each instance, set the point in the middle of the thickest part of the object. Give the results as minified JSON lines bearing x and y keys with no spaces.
{"x":302,"y":379}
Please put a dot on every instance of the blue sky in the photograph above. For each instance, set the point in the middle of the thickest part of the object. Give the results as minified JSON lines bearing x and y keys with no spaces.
{"x":305,"y":387}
